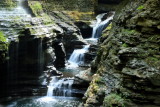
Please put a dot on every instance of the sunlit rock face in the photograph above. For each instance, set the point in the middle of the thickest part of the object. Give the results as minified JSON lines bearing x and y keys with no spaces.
{"x":127,"y":64}
{"x":30,"y":51}
{"x":36,"y":45}
{"x":70,"y":5}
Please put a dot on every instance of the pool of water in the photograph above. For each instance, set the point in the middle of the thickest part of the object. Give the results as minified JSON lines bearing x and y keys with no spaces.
{"x":71,"y":72}
{"x":44,"y":102}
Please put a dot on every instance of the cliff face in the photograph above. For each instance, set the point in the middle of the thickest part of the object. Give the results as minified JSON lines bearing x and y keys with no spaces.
{"x":127,"y":65}
{"x":109,"y":5}
{"x":3,"y":61}
{"x":35,"y":45}
{"x":70,"y":5}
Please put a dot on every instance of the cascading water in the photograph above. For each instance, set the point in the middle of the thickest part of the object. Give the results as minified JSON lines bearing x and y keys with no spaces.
{"x":100,"y":25}
{"x":77,"y":56}
{"x":8,"y":17}
{"x":60,"y":87}
{"x":18,"y":12}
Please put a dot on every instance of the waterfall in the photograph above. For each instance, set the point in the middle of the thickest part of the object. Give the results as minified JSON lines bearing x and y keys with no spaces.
{"x":15,"y":13}
{"x":40,"y":56}
{"x":60,"y":87}
{"x":100,"y":25}
{"x":77,"y":57}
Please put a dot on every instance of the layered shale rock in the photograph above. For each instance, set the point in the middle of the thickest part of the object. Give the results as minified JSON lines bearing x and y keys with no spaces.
{"x":37,"y":46}
{"x":127,"y":65}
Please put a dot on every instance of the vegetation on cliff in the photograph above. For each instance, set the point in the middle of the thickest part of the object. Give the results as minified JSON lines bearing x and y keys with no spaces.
{"x":129,"y":57}
{"x":3,"y":47}
{"x":126,"y":71}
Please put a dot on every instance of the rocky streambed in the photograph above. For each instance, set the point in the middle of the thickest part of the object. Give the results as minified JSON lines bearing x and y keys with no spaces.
{"x":125,"y":71}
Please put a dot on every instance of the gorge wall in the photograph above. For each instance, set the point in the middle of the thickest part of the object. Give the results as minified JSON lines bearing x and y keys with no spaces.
{"x":31,"y":47}
{"x":127,"y":71}
{"x":70,"y":5}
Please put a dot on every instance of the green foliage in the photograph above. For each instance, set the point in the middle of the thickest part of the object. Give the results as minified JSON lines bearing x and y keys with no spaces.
{"x":2,"y":37}
{"x":113,"y":100}
{"x":140,"y":7}
{"x":3,"y":44}
{"x":107,"y":30}
{"x":99,"y":80}
{"x":124,"y":45}
{"x":8,"y":4}
{"x":109,"y":26}
{"x":36,"y":7}
{"x":128,"y":31}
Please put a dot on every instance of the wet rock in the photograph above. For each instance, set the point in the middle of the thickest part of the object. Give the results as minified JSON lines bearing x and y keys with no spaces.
{"x":127,"y":62}
{"x":85,"y":29}
{"x":71,"y":34}
{"x":82,"y":79}
{"x":52,"y":71}
{"x":60,"y":54}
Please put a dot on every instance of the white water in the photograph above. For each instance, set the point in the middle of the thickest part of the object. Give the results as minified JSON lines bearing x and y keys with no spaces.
{"x":17,"y":12}
{"x":77,"y":56}
{"x":100,"y":25}
{"x":60,"y":87}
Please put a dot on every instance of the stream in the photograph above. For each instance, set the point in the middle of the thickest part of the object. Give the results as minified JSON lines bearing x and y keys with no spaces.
{"x":60,"y":92}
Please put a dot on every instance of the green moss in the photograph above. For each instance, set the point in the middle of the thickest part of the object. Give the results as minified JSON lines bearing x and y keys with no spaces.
{"x":8,"y":4}
{"x":99,"y":80}
{"x":128,"y":31}
{"x":36,"y":7}
{"x":109,"y":26}
{"x":154,"y":38}
{"x":32,"y":31}
{"x":113,"y":100}
{"x":3,"y":47}
{"x":46,"y":19}
{"x":140,"y":7}
{"x":124,"y":45}
{"x":153,"y":61}
{"x":95,"y":88}
{"x":107,"y":30}
{"x":2,"y":37}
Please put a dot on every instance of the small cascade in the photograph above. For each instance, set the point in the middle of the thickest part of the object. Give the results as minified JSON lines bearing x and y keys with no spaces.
{"x":60,"y":87}
{"x":100,"y":25}
{"x":77,"y":56}
{"x":17,"y":12}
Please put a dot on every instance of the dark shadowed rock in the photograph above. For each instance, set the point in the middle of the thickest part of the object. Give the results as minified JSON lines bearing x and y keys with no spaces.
{"x":127,"y":62}
{"x":85,"y":29}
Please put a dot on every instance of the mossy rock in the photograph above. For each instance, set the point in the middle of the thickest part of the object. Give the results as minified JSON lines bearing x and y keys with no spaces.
{"x":113,"y":100}
{"x":140,"y":7}
{"x":36,"y":7}
{"x":3,"y":47}
{"x":154,"y":61}
{"x":2,"y":37}
{"x":8,"y":4}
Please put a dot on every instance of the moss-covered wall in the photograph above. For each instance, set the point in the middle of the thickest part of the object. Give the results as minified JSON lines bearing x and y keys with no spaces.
{"x":79,"y":5}
{"x":3,"y":63}
{"x":3,"y":47}
{"x":128,"y":59}
{"x":7,"y":3}
{"x":80,"y":10}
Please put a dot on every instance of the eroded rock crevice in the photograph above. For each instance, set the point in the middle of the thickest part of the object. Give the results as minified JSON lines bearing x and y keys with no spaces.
{"x":125,"y":59}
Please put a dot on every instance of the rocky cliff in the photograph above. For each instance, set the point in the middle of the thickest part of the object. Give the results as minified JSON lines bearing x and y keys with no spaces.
{"x":127,"y":71}
{"x":34,"y":47}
